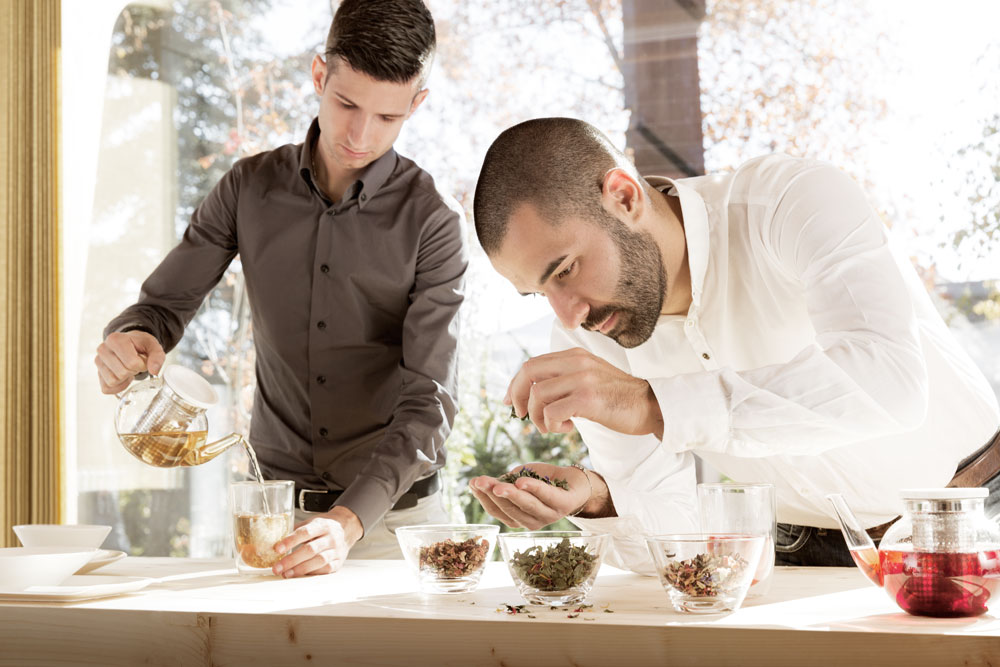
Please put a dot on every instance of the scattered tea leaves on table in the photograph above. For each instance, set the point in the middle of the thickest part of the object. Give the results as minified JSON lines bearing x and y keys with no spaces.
{"x":510,"y":609}
{"x":558,"y":567}
{"x":453,"y":559}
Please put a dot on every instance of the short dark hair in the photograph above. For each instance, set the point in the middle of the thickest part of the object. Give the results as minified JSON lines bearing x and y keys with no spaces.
{"x":555,"y":164}
{"x":389,"y":40}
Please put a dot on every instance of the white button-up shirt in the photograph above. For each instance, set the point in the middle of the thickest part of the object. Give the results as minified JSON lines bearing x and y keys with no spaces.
{"x":811,"y":358}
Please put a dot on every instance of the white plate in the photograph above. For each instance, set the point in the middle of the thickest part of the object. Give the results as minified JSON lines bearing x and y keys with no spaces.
{"x":100,"y":559}
{"x":76,"y":588}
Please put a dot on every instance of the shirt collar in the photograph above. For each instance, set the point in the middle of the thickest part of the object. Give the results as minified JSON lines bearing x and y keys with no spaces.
{"x":372,"y":178}
{"x":695,"y":220}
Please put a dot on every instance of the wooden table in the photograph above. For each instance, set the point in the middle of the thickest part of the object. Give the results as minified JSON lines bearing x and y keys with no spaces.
{"x":369,"y":613}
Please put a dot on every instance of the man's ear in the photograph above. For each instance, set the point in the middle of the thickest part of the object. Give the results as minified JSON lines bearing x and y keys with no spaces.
{"x":418,"y":99}
{"x":319,"y":69}
{"x":623,"y":196}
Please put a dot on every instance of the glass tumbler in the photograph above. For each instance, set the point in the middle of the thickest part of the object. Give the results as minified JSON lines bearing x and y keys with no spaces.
{"x":263,"y":513}
{"x":747,"y":509}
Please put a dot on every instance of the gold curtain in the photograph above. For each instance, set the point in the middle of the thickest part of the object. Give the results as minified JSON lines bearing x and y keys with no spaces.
{"x":30,"y":374}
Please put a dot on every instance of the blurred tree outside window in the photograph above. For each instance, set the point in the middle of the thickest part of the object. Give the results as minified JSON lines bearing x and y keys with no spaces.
{"x":193,"y":85}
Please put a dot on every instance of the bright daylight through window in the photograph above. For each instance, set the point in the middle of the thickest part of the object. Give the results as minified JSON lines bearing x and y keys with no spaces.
{"x":161,"y":97}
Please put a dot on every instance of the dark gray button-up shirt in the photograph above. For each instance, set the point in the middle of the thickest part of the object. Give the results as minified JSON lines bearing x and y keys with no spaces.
{"x":354,"y":308}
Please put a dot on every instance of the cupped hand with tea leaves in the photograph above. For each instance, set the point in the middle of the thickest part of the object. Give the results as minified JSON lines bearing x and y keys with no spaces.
{"x":553,"y":388}
{"x":123,"y":355}
{"x":535,"y":503}
{"x":323,"y":544}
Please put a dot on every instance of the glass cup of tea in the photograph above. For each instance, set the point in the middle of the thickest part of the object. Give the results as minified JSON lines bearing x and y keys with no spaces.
{"x":263,"y":513}
{"x":747,"y":509}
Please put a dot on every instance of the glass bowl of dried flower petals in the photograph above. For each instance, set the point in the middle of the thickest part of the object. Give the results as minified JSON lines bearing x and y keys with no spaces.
{"x":448,"y":558}
{"x":553,"y":567}
{"x":706,"y":573}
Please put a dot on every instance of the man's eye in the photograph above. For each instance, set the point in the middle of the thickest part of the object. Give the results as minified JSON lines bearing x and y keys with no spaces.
{"x":565,"y":272}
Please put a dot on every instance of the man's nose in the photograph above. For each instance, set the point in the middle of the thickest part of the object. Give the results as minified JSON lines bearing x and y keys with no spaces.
{"x":571,"y":310}
{"x":357,"y":130}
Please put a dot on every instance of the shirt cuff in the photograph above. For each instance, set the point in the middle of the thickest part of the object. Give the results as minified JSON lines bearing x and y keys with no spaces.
{"x":695,"y":412}
{"x":368,"y":498}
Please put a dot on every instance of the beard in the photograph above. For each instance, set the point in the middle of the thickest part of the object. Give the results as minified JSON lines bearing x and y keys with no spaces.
{"x":641,"y":288}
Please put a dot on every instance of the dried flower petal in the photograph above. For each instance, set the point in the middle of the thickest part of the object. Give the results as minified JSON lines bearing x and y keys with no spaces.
{"x":452,"y":560}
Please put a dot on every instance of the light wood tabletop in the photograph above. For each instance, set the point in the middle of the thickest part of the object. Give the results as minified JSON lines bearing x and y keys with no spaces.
{"x":202,"y":612}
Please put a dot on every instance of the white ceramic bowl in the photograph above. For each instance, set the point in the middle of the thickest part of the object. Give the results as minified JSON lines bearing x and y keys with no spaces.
{"x":21,"y":567}
{"x":52,"y":535}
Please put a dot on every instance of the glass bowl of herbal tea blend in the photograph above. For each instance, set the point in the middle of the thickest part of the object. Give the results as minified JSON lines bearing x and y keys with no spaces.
{"x":448,"y":558}
{"x":706,"y":573}
{"x":553,"y":567}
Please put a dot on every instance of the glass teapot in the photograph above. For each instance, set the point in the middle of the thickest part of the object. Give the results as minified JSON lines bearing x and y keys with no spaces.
{"x":161,"y":420}
{"x":942,"y":558}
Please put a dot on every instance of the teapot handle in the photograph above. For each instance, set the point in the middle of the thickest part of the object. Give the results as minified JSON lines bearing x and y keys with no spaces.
{"x":139,"y":377}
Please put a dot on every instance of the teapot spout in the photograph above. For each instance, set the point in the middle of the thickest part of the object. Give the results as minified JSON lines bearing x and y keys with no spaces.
{"x":862,"y":548}
{"x":210,"y":450}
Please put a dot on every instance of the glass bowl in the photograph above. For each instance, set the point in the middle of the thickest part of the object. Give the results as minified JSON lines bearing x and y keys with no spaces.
{"x":706,"y":573}
{"x":553,"y":567}
{"x":448,"y":558}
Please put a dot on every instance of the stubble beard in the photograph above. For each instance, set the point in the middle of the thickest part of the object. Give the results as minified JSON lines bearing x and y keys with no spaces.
{"x":641,"y":289}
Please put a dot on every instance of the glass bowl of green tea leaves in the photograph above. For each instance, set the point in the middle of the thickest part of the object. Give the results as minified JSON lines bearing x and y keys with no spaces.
{"x":553,"y":567}
{"x":448,"y":558}
{"x":706,"y":573}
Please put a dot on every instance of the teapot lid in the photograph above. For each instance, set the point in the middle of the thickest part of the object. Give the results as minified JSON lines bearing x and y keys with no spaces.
{"x":190,"y":386}
{"x":944,"y":493}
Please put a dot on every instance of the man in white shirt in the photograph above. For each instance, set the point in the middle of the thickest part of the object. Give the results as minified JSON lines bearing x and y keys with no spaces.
{"x":759,"y":319}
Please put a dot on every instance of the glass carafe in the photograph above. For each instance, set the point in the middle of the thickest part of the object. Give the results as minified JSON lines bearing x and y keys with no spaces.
{"x":162,"y":421}
{"x":941,"y":558}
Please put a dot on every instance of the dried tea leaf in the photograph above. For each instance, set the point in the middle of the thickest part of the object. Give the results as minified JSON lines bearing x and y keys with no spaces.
{"x":452,"y":560}
{"x":511,"y":477}
{"x":559,"y":567}
{"x":706,"y":575}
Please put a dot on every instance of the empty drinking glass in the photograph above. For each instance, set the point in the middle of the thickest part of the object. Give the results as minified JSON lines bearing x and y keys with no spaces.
{"x":747,"y":509}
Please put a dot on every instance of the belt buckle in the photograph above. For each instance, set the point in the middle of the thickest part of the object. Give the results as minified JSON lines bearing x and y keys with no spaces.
{"x":302,"y":499}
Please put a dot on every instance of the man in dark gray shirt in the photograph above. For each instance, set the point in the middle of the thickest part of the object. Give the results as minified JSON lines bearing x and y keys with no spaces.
{"x":354,"y":265}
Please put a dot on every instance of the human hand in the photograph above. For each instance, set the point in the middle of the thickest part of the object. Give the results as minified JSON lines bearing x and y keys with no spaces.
{"x":533,"y":503}
{"x":554,"y":387}
{"x":323,"y":544}
{"x":123,"y":355}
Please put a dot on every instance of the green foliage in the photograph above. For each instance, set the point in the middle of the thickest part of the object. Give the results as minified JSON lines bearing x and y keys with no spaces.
{"x":155,"y":522}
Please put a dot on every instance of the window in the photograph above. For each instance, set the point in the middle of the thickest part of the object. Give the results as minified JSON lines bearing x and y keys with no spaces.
{"x":179,"y":89}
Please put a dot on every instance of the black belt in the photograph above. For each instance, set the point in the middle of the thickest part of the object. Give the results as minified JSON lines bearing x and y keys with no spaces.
{"x":311,"y":500}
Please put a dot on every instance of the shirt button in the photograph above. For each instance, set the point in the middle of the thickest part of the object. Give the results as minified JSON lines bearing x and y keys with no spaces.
{"x":325,"y":268}
{"x":325,"y":476}
{"x":364,"y":197}
{"x":689,"y":323}
{"x":321,"y":379}
{"x":329,"y":212}
{"x":704,"y":355}
{"x":323,"y":432}
{"x":321,"y":324}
